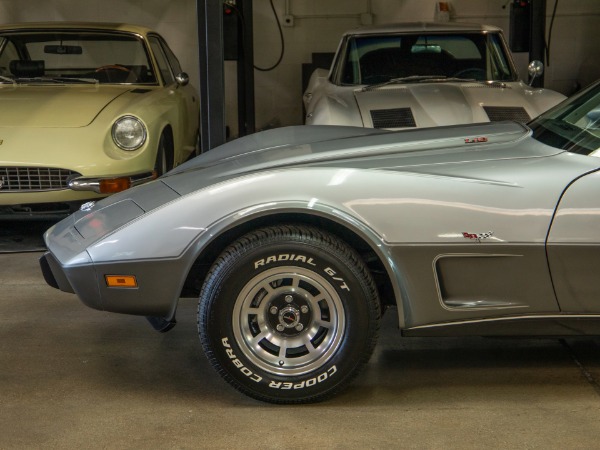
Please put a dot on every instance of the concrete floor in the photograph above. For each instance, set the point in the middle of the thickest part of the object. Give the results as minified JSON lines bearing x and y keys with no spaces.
{"x":72,"y":377}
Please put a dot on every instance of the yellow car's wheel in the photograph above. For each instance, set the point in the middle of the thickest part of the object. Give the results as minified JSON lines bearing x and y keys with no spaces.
{"x":164,"y":156}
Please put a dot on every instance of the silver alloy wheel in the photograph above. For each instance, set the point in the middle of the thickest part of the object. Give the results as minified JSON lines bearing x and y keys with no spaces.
{"x":288,"y":320}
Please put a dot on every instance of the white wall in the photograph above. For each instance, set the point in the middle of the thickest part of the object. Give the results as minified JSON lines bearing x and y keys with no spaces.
{"x":318,"y":24}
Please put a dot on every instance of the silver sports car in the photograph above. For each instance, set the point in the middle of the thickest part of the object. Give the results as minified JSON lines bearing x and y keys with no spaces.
{"x":297,"y":240}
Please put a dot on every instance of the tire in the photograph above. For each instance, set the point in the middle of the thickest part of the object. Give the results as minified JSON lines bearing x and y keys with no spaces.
{"x":198,"y":147}
{"x":288,"y":314}
{"x":164,"y":156}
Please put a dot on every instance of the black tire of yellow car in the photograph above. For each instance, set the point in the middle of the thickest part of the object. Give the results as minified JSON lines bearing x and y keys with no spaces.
{"x":289,"y":314}
{"x":198,"y":147}
{"x":164,"y":155}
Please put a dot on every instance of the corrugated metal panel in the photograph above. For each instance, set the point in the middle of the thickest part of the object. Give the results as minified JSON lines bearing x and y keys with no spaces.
{"x":499,"y":113}
{"x":393,"y":118}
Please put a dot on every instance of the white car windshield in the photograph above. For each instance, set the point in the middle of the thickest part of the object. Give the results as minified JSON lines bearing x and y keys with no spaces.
{"x":48,"y":56}
{"x":372,"y":59}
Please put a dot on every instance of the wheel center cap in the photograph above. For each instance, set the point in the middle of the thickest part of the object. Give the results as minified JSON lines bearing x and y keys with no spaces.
{"x":289,"y":317}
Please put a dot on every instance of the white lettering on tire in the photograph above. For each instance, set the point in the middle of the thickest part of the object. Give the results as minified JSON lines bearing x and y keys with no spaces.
{"x":306,"y":383}
{"x":237,"y":363}
{"x":329,"y":271}
{"x":275,"y":384}
{"x":284,"y":257}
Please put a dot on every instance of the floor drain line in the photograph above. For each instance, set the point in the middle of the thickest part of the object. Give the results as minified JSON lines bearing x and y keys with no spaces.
{"x":586,"y":373}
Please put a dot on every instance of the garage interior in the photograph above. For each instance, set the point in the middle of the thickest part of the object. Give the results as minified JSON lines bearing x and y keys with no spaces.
{"x":73,"y":377}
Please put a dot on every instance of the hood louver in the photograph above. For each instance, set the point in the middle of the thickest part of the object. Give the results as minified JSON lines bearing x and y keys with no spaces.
{"x":500,"y":113}
{"x":393,"y":118}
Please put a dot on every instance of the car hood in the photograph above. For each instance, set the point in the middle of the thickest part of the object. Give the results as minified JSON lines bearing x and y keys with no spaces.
{"x":321,"y":145}
{"x":55,"y":106}
{"x":439,"y":104}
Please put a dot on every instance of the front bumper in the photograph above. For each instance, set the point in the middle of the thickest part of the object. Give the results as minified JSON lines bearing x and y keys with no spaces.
{"x":61,"y":202}
{"x":156,"y":294}
{"x":53,"y":274}
{"x":80,"y":280}
{"x":110,"y":185}
{"x":88,"y":246}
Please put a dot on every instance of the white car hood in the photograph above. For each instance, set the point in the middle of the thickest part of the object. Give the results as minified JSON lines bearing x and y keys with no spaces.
{"x":438,"y":104}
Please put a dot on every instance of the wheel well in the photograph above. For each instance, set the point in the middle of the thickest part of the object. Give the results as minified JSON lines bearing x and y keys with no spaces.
{"x":170,"y":145}
{"x":203,"y":263}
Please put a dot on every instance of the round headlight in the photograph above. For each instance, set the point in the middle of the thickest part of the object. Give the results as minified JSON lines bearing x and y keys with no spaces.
{"x":129,"y":133}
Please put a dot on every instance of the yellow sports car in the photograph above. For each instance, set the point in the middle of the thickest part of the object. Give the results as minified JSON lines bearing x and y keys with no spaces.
{"x":88,"y":110}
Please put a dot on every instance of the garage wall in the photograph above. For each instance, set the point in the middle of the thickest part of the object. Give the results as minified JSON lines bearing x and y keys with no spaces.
{"x":318,"y":24}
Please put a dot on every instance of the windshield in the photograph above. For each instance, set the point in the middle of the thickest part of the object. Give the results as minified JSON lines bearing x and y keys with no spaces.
{"x":373,"y":59}
{"x":574,"y":125}
{"x":74,"y":56}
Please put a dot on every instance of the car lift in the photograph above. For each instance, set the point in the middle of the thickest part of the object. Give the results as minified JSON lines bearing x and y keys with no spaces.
{"x":211,"y":40}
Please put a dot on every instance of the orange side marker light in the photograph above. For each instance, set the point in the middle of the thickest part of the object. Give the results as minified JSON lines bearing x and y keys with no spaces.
{"x":121,"y":281}
{"x":114,"y":185}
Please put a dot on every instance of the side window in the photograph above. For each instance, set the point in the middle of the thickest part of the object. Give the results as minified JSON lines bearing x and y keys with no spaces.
{"x":161,"y":60}
{"x":172,"y":59}
{"x":498,"y":61}
{"x":9,"y":52}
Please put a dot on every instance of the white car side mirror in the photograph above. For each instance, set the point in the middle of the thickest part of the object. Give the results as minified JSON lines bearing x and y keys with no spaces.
{"x":535,"y":69}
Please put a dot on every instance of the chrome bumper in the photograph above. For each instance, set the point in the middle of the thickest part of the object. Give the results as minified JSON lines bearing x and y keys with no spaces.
{"x":94,"y":184}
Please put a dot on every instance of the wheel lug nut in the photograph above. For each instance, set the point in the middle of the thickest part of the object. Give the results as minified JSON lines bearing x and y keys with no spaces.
{"x":299,"y":327}
{"x":280,"y":328}
{"x":304,"y":309}
{"x":273,"y":310}
{"x":289,"y":298}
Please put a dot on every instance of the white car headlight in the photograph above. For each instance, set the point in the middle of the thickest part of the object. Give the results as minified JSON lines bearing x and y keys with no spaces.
{"x":129,"y":133}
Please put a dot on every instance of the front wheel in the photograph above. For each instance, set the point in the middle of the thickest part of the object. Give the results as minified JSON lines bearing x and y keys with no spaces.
{"x":164,"y":155}
{"x":288,"y":314}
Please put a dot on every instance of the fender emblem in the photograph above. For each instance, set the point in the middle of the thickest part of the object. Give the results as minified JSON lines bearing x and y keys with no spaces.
{"x":475,"y":140}
{"x":478,"y":236}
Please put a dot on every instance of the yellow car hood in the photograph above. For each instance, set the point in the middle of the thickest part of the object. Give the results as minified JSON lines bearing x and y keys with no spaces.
{"x":55,"y":106}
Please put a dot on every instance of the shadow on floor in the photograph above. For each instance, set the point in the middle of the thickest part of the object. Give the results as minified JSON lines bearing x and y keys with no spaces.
{"x":18,"y":236}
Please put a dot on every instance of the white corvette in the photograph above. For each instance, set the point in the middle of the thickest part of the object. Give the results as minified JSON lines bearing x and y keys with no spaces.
{"x":423,"y":75}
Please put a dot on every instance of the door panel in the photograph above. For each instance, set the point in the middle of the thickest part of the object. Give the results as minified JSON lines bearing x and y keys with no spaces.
{"x":467,"y":282}
{"x":574,"y":247}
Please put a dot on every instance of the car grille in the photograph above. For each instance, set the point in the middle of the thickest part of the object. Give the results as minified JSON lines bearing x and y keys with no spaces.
{"x":393,"y":118}
{"x":26,"y":179}
{"x":499,"y":113}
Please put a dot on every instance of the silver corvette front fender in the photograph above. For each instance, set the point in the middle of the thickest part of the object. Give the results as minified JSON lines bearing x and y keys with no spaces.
{"x":301,"y":210}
